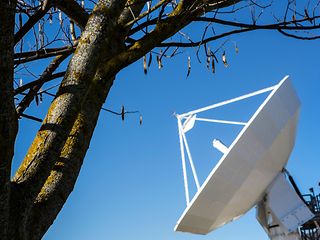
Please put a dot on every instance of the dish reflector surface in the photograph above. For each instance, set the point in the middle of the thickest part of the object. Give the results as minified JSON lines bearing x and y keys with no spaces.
{"x":254,"y":159}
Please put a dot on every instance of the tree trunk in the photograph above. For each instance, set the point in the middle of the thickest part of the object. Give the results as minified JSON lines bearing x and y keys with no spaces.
{"x":47,"y":146}
{"x":8,"y":118}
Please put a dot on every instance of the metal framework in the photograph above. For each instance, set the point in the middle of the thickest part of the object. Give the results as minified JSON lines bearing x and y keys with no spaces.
{"x":186,"y":122}
{"x":311,"y":230}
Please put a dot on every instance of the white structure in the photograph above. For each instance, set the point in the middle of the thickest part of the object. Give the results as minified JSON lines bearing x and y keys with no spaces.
{"x":250,"y":171}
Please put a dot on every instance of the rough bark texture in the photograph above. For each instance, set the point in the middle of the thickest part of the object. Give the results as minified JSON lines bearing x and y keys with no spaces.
{"x":61,"y":181}
{"x":46,"y":148}
{"x":72,"y":9}
{"x":8,"y":119}
{"x":63,"y":177}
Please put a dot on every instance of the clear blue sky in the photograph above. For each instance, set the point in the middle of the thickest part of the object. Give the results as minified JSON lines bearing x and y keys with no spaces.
{"x":131,"y":187}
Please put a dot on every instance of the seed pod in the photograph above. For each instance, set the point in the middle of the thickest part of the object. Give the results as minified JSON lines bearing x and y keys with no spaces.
{"x":160,"y":65}
{"x":140,"y":120}
{"x":294,"y":17}
{"x":122,"y":113}
{"x":145,"y":64}
{"x":40,"y":95}
{"x":148,"y":6}
{"x":189,"y":66}
{"x":20,"y":20}
{"x":60,"y":18}
{"x":72,"y":32}
{"x":306,"y":15}
{"x":213,"y":66}
{"x":150,"y":59}
{"x":224,"y":59}
{"x":50,"y":16}
{"x":41,"y":34}
{"x":208,"y":62}
{"x":37,"y":99}
{"x":208,"y":58}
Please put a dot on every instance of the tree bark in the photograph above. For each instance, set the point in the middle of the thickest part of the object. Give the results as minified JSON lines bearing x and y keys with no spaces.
{"x":73,"y":10}
{"x":63,"y":176}
{"x":47,"y":146}
{"x":8,"y":118}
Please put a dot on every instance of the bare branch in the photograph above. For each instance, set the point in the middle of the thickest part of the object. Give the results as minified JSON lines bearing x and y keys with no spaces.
{"x":144,"y":14}
{"x":282,"y":25}
{"x":44,"y":53}
{"x":39,"y":81}
{"x":204,"y":41}
{"x":31,"y":117}
{"x":31,"y":22}
{"x":45,"y":77}
{"x":74,"y":11}
{"x":296,"y":36}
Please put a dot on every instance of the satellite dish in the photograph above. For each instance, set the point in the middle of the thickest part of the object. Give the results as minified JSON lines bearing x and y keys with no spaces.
{"x":248,"y":166}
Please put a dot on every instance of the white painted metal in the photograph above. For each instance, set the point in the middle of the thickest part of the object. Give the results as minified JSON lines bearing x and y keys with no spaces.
{"x":288,"y":209}
{"x":189,"y":123}
{"x":220,"y":121}
{"x":183,"y":160}
{"x":282,"y":211}
{"x":219,"y":145}
{"x":252,"y":161}
{"x":229,"y":101}
{"x":191,"y":161}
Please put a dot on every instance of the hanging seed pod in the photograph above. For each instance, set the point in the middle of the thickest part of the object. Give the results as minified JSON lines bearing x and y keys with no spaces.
{"x":40,"y":95}
{"x":306,"y":15}
{"x":140,"y":120}
{"x":50,"y":16}
{"x":208,"y":62}
{"x":189,"y":66}
{"x":224,"y":59}
{"x":150,"y":59}
{"x":145,"y":64}
{"x":213,"y":66}
{"x":37,"y":99}
{"x":122,"y":113}
{"x":208,"y":58}
{"x":44,"y":4}
{"x":60,"y":17}
{"x":20,"y":82}
{"x":149,"y":5}
{"x":82,"y":4}
{"x":237,"y":49}
{"x":20,"y":21}
{"x":41,"y":33}
{"x":159,"y":62}
{"x":72,"y":32}
{"x":294,"y":17}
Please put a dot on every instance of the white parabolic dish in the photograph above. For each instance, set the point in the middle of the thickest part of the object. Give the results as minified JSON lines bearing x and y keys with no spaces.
{"x":254,"y":159}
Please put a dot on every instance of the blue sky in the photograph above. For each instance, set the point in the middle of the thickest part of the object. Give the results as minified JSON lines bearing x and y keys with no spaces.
{"x":131,"y":185}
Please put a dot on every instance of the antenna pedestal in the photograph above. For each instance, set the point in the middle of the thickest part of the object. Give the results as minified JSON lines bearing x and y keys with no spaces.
{"x":282,"y":211}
